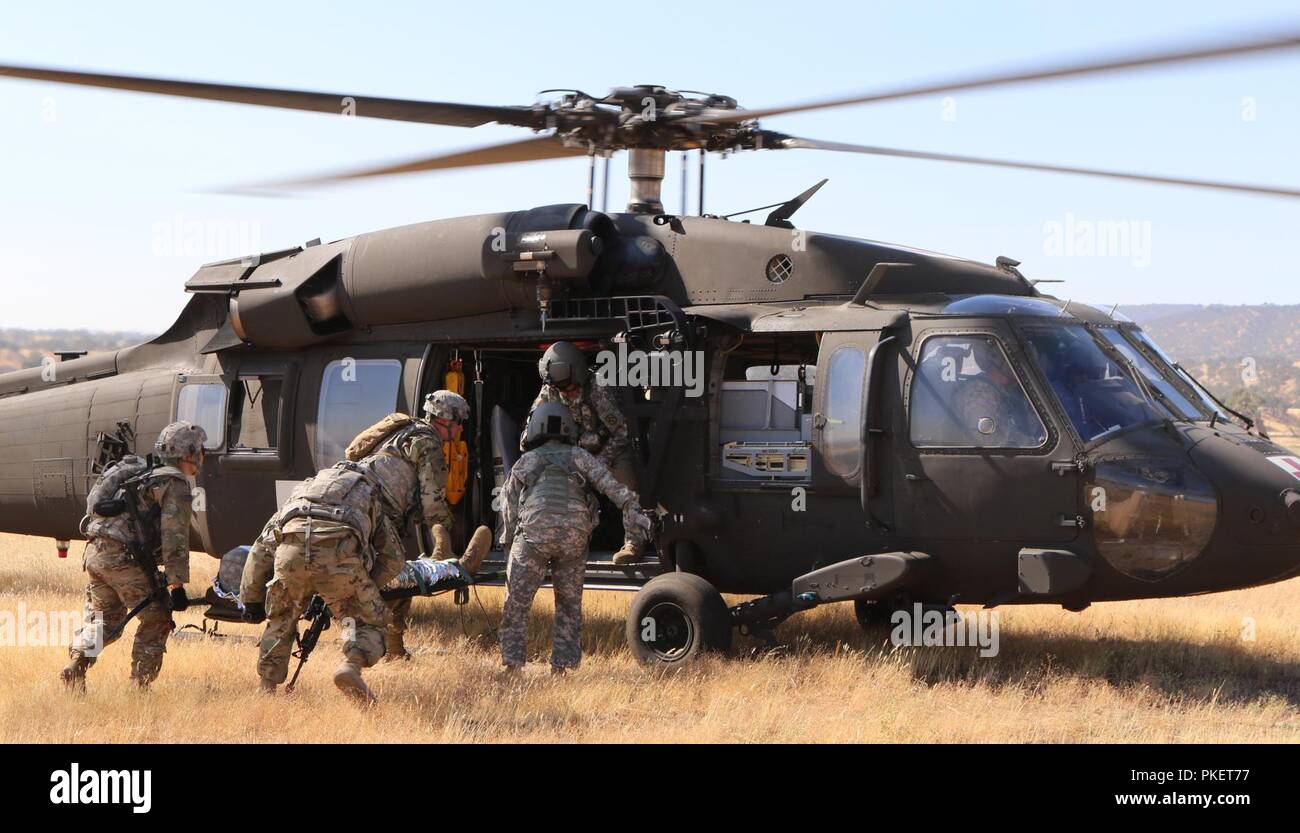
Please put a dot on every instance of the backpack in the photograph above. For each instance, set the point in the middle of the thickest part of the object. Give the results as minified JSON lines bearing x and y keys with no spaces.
{"x":103,"y":500}
{"x":369,"y":440}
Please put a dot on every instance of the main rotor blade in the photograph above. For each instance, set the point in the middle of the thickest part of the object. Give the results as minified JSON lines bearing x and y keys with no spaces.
{"x":396,"y":109}
{"x":1288,"y":40}
{"x":781,"y":141}
{"x":534,"y":149}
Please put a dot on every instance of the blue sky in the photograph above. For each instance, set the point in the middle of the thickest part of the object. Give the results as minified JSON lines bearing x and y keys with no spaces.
{"x":95,"y":185}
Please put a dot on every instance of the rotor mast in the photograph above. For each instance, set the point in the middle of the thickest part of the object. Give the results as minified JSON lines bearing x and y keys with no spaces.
{"x":645,"y":173}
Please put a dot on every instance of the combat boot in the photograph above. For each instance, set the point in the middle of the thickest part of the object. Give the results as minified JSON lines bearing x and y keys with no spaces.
{"x":73,"y":674}
{"x":441,"y":543}
{"x":348,"y":679}
{"x":629,"y":554}
{"x":478,"y":547}
{"x":395,"y":647}
{"x":266,"y":686}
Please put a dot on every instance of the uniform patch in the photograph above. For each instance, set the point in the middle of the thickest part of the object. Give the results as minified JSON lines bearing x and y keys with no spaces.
{"x":1288,"y":463}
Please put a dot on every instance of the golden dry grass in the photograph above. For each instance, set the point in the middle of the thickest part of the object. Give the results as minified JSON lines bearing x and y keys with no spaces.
{"x":1175,"y":670}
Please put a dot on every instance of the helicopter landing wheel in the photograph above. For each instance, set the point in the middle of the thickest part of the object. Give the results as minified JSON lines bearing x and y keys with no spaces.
{"x":675,"y":618}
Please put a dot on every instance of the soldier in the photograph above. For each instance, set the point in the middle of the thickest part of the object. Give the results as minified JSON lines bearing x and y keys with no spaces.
{"x":549,"y":511}
{"x":336,"y":540}
{"x":117,"y":583}
{"x":602,"y":428}
{"x":444,"y":411}
{"x":259,"y":569}
{"x":259,"y":566}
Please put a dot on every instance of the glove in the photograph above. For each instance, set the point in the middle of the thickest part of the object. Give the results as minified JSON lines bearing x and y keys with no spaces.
{"x":254,"y":612}
{"x":589,"y":441}
{"x":178,"y":598}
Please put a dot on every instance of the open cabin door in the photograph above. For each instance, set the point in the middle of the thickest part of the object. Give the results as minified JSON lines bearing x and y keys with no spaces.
{"x":850,"y":442}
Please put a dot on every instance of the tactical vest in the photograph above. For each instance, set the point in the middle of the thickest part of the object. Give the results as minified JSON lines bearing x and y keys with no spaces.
{"x":341,"y":495}
{"x":396,"y":474}
{"x":555,"y":494}
{"x":119,"y":527}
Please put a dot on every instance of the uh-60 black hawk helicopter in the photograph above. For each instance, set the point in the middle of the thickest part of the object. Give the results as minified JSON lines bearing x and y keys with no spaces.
{"x":877,"y":424}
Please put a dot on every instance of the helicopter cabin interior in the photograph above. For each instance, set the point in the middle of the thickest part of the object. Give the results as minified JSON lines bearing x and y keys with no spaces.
{"x":277,"y":418}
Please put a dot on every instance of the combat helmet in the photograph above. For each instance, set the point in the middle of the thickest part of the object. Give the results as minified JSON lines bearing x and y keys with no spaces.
{"x":563,"y":364}
{"x":446,"y":404}
{"x":550,"y":421}
{"x":178,"y":441}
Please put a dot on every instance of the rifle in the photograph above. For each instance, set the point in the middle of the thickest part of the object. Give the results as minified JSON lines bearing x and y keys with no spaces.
{"x":319,"y":615}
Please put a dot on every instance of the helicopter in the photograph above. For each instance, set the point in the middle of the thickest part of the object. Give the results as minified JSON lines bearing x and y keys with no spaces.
{"x":870,"y":423}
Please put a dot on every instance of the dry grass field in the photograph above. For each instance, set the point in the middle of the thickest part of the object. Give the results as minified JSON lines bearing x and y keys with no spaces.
{"x":1177,"y":670}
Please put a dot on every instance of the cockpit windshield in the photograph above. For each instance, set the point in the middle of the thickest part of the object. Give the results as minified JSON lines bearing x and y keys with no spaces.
{"x":1098,"y":392}
{"x":1157,"y":379}
{"x":1207,"y":401}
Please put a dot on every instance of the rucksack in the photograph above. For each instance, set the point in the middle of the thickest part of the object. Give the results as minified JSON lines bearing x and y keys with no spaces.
{"x":104,"y":499}
{"x":369,"y":440}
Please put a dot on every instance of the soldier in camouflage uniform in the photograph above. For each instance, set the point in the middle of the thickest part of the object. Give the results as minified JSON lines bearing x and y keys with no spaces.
{"x":259,"y":567}
{"x":602,"y":429}
{"x":336,"y":539}
{"x":117,"y":583}
{"x":445,"y":412}
{"x":549,"y":511}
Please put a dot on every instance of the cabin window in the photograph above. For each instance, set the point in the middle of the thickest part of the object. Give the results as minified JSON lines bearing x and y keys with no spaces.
{"x":965,"y":395}
{"x":354,"y":395}
{"x":842,"y":436}
{"x":205,"y":406}
{"x":258,"y":402}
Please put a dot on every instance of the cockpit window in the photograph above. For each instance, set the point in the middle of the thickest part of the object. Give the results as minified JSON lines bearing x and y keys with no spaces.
{"x":1210,"y":406}
{"x":1167,"y":389}
{"x":1099,"y":394}
{"x":965,"y":395}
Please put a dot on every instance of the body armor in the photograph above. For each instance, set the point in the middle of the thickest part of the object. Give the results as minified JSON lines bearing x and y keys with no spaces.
{"x":340,"y":495}
{"x":557,"y":495}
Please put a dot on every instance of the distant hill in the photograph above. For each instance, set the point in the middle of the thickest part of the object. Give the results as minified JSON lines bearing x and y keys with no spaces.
{"x":25,"y":348}
{"x":1222,"y":332}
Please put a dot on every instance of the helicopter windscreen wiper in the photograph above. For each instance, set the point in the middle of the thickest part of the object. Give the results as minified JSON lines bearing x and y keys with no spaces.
{"x":1151,"y":377}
